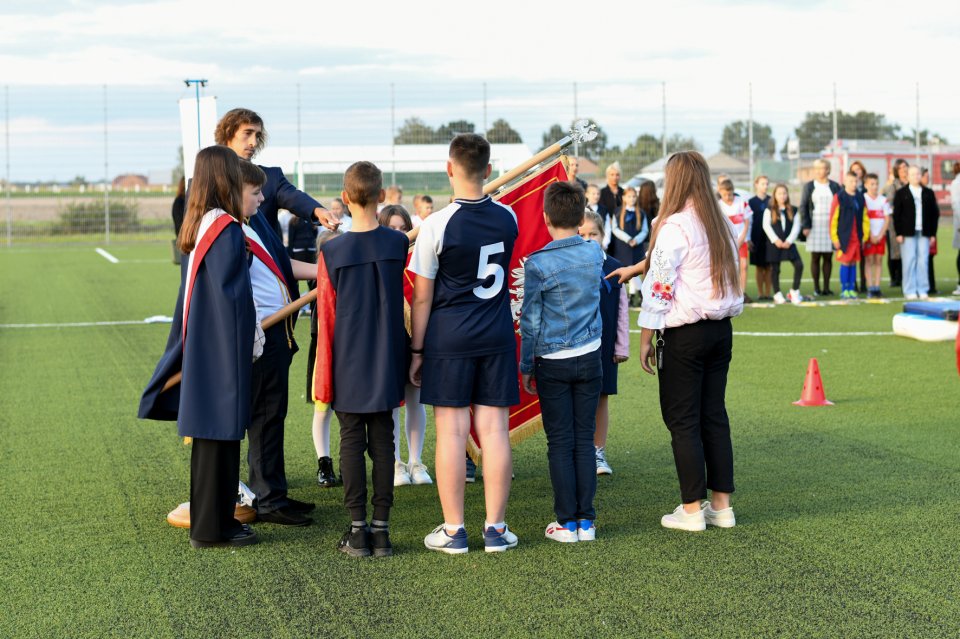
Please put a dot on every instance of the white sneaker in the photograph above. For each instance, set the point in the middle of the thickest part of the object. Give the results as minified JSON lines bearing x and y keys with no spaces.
{"x":418,"y":474}
{"x":956,"y":291}
{"x":723,"y":518}
{"x":910,"y":296}
{"x":566,"y":534}
{"x":794,"y":296}
{"x":441,"y":541}
{"x":924,"y":296}
{"x":401,"y":476}
{"x":586,"y":530}
{"x":778,"y":298}
{"x":679,"y":519}
{"x":603,"y":468}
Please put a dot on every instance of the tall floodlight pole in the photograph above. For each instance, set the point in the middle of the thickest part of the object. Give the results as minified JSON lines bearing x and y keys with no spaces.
{"x":750,"y":131}
{"x":196,"y":85}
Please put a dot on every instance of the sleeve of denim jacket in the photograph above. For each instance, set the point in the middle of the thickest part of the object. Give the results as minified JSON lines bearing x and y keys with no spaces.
{"x":530,"y":313}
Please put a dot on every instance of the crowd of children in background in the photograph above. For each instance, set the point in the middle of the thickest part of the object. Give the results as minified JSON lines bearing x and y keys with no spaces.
{"x":406,"y":354}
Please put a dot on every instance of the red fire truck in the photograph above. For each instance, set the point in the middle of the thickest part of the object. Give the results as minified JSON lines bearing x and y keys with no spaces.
{"x":878,"y":157}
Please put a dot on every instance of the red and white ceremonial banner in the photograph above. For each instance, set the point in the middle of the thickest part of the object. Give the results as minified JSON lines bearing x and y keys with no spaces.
{"x":526,"y":200}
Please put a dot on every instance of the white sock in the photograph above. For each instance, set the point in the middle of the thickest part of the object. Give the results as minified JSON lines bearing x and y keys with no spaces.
{"x":500,"y":525}
{"x":415,"y":426}
{"x":321,"y":432}
{"x":396,"y":436}
{"x":453,"y":527}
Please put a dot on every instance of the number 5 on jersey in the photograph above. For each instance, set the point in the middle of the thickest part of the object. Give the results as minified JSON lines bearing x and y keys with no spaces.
{"x":485,"y":269}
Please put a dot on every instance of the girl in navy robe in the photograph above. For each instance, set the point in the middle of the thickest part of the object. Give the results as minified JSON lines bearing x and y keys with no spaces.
{"x":212,"y":342}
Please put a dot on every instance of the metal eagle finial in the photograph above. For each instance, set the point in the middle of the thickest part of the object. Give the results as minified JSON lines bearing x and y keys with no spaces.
{"x":583,"y":131}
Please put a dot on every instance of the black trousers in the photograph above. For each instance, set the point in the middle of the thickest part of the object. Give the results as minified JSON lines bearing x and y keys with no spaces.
{"x":370,"y":433}
{"x":270,"y":383}
{"x":214,"y":474}
{"x":693,"y":383}
{"x":775,"y":274}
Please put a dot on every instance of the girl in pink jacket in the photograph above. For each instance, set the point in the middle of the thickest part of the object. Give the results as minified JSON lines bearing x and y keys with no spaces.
{"x":690,"y":292}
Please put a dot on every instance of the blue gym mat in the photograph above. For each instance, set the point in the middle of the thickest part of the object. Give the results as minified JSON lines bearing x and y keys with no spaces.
{"x":940,"y":310}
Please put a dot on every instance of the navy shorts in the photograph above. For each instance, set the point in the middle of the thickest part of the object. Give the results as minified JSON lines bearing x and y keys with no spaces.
{"x":488,"y":380}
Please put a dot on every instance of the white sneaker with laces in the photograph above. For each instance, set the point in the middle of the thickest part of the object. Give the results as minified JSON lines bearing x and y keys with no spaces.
{"x":419,"y":475}
{"x":401,"y":476}
{"x":794,"y":296}
{"x":778,"y":298}
{"x":680,"y":519}
{"x":564,"y":534}
{"x":723,"y":518}
{"x":603,"y":468}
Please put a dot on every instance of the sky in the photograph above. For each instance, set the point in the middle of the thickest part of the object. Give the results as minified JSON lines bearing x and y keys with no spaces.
{"x":335,"y":64}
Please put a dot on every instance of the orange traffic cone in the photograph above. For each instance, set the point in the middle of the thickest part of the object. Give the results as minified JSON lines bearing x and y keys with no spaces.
{"x":813,"y":387}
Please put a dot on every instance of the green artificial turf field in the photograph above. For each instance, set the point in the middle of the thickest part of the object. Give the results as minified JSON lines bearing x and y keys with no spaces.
{"x":847,"y":516}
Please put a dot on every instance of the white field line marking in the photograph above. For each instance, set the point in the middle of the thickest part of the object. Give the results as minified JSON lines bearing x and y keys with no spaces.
{"x":107,"y":256}
{"x":823,"y":334}
{"x":156,"y":319}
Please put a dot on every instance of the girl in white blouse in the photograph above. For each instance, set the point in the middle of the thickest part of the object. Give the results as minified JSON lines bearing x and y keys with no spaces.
{"x":690,"y":292}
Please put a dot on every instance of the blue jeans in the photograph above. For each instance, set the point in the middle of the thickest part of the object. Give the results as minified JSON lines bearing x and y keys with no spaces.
{"x":915,"y":252}
{"x":569,"y":391}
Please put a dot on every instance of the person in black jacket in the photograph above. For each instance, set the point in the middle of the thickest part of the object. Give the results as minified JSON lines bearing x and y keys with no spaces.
{"x":915,"y":219}
{"x":179,"y":204}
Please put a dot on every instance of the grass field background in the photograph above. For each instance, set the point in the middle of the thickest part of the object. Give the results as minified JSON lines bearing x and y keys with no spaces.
{"x":847,"y":516}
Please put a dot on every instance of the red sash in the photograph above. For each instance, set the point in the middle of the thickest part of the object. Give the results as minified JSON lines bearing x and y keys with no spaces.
{"x":199,"y":252}
{"x":264,"y":257}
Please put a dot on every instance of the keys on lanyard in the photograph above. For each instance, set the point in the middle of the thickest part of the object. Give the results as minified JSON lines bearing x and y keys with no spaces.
{"x":659,"y":350}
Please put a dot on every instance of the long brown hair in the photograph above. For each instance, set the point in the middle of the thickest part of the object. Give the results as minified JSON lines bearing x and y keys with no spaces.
{"x":687,"y":183}
{"x":216,"y":184}
{"x":623,"y":207}
{"x":647,"y":199}
{"x":774,"y":206}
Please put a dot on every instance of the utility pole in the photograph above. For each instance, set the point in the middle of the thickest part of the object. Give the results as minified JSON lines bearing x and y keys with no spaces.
{"x":106,"y":173}
{"x":835,"y":136}
{"x":6,"y":184}
{"x":663,"y":133}
{"x":750,"y":132}
{"x":300,"y":179}
{"x":576,"y":116}
{"x":917,"y":129}
{"x":484,"y":109}
{"x":393,"y":136}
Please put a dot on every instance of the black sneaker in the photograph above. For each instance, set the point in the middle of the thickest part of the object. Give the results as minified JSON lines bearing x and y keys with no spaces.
{"x":471,"y":475}
{"x":325,"y":476}
{"x":355,"y":543}
{"x":380,"y":538}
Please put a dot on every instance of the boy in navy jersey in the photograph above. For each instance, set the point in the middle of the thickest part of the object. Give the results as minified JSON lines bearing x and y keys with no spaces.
{"x":362,"y":348}
{"x":464,"y":349}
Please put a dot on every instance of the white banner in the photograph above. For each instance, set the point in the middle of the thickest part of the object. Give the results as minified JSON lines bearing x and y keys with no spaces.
{"x":196,"y":133}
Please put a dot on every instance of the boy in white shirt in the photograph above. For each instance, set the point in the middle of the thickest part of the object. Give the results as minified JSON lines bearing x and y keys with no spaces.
{"x":879,"y":212}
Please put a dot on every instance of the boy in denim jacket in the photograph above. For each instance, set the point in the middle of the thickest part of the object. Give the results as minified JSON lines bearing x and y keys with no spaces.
{"x":560,"y":329}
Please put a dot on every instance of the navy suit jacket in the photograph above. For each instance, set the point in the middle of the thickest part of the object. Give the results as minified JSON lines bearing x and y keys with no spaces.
{"x":278,"y":193}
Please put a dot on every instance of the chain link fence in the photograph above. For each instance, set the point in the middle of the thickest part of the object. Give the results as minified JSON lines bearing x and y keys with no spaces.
{"x":100,"y":164}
